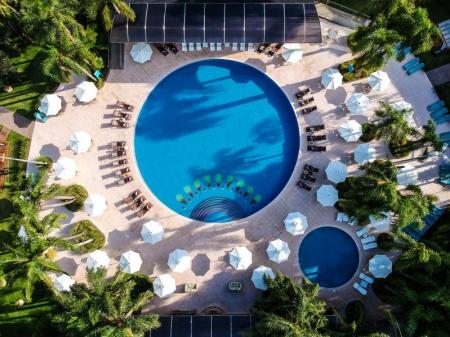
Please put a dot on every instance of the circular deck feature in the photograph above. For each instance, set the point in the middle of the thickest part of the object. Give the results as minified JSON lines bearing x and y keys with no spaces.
{"x":216,"y":140}
{"x":328,"y":256}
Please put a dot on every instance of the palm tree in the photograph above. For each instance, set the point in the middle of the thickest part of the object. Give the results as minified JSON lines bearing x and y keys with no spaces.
{"x":105,"y":307}
{"x":106,"y":9}
{"x":413,"y":206}
{"x":6,"y":8}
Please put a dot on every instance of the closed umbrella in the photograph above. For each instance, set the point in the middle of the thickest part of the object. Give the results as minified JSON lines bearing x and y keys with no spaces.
{"x":296,"y":223}
{"x":380,"y":266}
{"x":240,"y":258}
{"x":63,"y":282}
{"x":336,"y":171}
{"x":50,"y":105}
{"x":141,"y":52}
{"x":383,"y":222}
{"x":86,"y":91}
{"x":292,"y":52}
{"x":407,"y":175}
{"x":152,"y":232}
{"x":259,"y":275}
{"x":364,"y":153}
{"x":22,"y":234}
{"x":350,"y":131}
{"x":278,"y":251}
{"x":95,"y":205}
{"x":327,"y":195}
{"x":179,"y":261}
{"x":80,"y":142}
{"x":331,"y":79}
{"x":358,"y":104}
{"x":379,"y":81}
{"x":164,"y":285}
{"x":96,"y":260}
{"x":130,"y":262}
{"x":65,"y":168}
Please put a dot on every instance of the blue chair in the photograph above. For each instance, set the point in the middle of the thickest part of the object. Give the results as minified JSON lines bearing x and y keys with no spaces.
{"x":41,"y":117}
{"x":436,"y":105}
{"x":351,"y":68}
{"x":97,"y":74}
{"x":411,"y":63}
{"x":416,"y":68}
{"x":443,"y":119}
{"x":442,"y":111}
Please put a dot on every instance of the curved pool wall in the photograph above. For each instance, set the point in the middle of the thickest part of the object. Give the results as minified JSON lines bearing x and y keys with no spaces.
{"x":216,"y":140}
{"x":328,"y":256}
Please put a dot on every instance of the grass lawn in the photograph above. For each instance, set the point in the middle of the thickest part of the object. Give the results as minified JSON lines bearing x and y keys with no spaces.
{"x":28,"y":85}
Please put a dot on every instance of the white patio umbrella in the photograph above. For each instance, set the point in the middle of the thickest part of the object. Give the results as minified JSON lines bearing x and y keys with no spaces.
{"x":86,"y":91}
{"x":296,"y":223}
{"x":65,"y":168}
{"x":141,"y":52}
{"x":50,"y":105}
{"x":80,"y":142}
{"x":327,"y":195}
{"x":407,"y":108}
{"x":152,"y":232}
{"x":380,"y":266}
{"x":278,"y":251}
{"x":22,"y":234}
{"x":63,"y":282}
{"x":358,"y":103}
{"x":164,"y":285}
{"x":240,"y":258}
{"x":379,"y":80}
{"x":95,"y":205}
{"x":381,"y":223}
{"x":336,"y":171}
{"x":350,"y":131}
{"x":331,"y":79}
{"x":407,"y":175}
{"x":179,"y":261}
{"x":130,"y":262}
{"x":97,"y":259}
{"x":292,"y":52}
{"x":364,"y":153}
{"x":258,"y":277}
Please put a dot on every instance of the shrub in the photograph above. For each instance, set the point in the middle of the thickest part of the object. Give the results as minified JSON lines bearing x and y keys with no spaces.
{"x":369,"y":132}
{"x":100,"y":83}
{"x":359,"y":72}
{"x":79,"y":193}
{"x":47,"y":160}
{"x":143,"y":284}
{"x":385,"y":241}
{"x":6,"y":68}
{"x":90,"y":232}
{"x":400,"y":151}
{"x":355,"y":312}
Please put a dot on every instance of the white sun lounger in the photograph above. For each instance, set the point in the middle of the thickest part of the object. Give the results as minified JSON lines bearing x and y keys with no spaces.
{"x":227,"y":44}
{"x":184,"y":47}
{"x":212,"y":47}
{"x":361,"y":290}
{"x":198,"y":46}
{"x":242,"y":47}
{"x":342,"y":217}
{"x":219,"y":47}
{"x":362,"y":231}
{"x":250,"y":46}
{"x":366,"y":278}
{"x":234,"y":46}
{"x":371,"y":245}
{"x":368,"y":239}
{"x":191,"y":47}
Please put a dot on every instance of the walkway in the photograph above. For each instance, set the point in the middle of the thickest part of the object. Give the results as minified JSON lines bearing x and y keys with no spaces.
{"x":16,"y":122}
{"x":439,"y":75}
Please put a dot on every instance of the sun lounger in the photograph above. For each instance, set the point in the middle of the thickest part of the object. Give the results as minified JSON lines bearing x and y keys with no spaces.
{"x":227,"y":44}
{"x":250,"y":46}
{"x":121,"y":114}
{"x":308,"y":178}
{"x":314,"y":128}
{"x":436,"y":106}
{"x":352,"y":222}
{"x":301,"y":184}
{"x":138,"y":202}
{"x":444,"y":136}
{"x":118,"y":154}
{"x":362,"y":231}
{"x":133,"y":195}
{"x":305,"y":101}
{"x":120,"y":123}
{"x":314,"y":148}
{"x":242,"y":46}
{"x":368,"y":239}
{"x":371,"y":245}
{"x":411,"y":63}
{"x":120,"y":144}
{"x":302,"y":93}
{"x":361,"y":290}
{"x":212,"y":47}
{"x":198,"y":46}
{"x":317,"y":138}
{"x":218,"y":46}
{"x":311,"y":168}
{"x":125,"y":106}
{"x":342,"y":217}
{"x":173,"y":48}
{"x":366,"y":278}
{"x":234,"y":47}
{"x":191,"y":46}
{"x":123,"y":171}
{"x":416,"y":68}
{"x":262,"y":48}
{"x":308,"y":110}
{"x":125,"y":180}
{"x":144,"y":210}
{"x":443,"y":119}
{"x":439,"y":112}
{"x":274,"y":49}
{"x":120,"y":162}
{"x":184,"y":47}
{"x":163,"y":49}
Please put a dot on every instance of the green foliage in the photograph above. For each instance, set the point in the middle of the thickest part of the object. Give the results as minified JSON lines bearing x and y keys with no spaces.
{"x":369,"y":132}
{"x":360,"y":70}
{"x":6,"y":68}
{"x":105,"y":9}
{"x":18,"y":146}
{"x":355,"y":312}
{"x":413,"y":207}
{"x":385,"y":241}
{"x":91,"y":239}
{"x":105,"y":307}
{"x":79,"y":195}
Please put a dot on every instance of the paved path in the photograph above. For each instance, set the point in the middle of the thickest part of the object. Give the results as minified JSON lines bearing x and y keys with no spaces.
{"x":16,"y":122}
{"x":439,"y":75}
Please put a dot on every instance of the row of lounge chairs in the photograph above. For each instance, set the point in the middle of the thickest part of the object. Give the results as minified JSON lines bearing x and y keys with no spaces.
{"x":368,"y":241}
{"x":363,"y":283}
{"x":309,"y":174}
{"x":191,"y":47}
{"x":165,"y":48}
{"x":312,"y":137}
{"x":439,"y":112}
{"x":269,"y":49}
{"x":137,"y":202}
{"x":413,"y":66}
{"x":119,"y":153}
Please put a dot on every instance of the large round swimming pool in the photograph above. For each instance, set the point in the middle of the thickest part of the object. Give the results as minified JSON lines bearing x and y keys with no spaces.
{"x":216,"y":140}
{"x":328,"y":256}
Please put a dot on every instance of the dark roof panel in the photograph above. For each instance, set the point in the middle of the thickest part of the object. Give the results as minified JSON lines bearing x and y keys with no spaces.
{"x":312,"y":31}
{"x":295,"y":26}
{"x":234,"y":23}
{"x":274,"y":22}
{"x":201,"y":326}
{"x":136,"y":31}
{"x":194,"y":24}
{"x":215,"y":23}
{"x":155,"y":22}
{"x":254,"y":23}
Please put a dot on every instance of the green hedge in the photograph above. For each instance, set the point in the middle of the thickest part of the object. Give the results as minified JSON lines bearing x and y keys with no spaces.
{"x":357,"y":74}
{"x":369,"y":132}
{"x":400,"y":151}
{"x":80,"y":194}
{"x":90,"y":231}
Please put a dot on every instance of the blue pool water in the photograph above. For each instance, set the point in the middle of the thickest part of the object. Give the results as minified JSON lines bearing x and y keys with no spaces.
{"x":328,"y":256}
{"x":216,"y":140}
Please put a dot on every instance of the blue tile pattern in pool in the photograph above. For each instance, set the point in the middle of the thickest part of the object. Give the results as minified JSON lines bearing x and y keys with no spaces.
{"x":216,"y":140}
{"x":328,"y":256}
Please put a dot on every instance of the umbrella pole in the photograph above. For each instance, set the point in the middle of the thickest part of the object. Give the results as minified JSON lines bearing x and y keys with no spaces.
{"x":3,"y":158}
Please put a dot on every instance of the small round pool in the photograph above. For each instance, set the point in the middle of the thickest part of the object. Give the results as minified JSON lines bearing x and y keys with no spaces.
{"x":216,"y":140}
{"x":328,"y":256}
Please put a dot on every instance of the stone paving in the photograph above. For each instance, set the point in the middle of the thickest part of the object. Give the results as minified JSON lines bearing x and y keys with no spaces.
{"x":208,"y":244}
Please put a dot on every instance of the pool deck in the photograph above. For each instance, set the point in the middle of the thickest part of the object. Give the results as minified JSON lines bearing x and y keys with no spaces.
{"x":209,"y":244}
